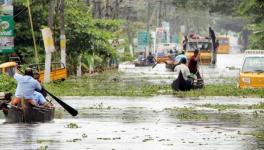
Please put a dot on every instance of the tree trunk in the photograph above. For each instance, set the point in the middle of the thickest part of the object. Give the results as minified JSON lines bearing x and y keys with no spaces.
{"x":49,"y":55}
{"x":79,"y":68}
{"x":62,"y":33}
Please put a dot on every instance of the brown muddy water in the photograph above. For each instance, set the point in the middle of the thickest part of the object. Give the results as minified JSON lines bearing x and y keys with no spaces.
{"x":133,"y":123}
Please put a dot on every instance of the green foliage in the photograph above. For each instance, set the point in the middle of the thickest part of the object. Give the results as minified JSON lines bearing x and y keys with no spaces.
{"x":24,"y":42}
{"x":113,"y":84}
{"x":253,"y":10}
{"x":225,"y":7}
{"x":86,"y":35}
{"x":7,"y":83}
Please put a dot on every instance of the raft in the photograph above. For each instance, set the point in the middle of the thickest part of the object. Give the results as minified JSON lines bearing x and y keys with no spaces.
{"x":180,"y":84}
{"x":32,"y":114}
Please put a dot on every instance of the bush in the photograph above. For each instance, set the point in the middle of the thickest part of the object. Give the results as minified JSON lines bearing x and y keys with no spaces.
{"x":7,"y":84}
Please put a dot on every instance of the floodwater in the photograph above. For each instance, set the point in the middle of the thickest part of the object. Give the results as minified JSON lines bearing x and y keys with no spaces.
{"x":227,"y":67}
{"x":159,"y":122}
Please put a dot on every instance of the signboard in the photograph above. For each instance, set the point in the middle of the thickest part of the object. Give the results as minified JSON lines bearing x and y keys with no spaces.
{"x":175,"y":38}
{"x":7,"y":34}
{"x":142,"y":38}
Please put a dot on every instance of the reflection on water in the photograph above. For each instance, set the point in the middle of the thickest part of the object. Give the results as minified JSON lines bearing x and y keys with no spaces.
{"x":161,"y":122}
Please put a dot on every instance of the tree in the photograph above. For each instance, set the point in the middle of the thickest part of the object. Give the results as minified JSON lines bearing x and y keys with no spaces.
{"x":253,"y":11}
{"x":87,"y":36}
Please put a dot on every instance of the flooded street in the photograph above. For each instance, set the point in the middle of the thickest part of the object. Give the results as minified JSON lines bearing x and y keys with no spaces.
{"x":131,"y":75}
{"x":161,"y":122}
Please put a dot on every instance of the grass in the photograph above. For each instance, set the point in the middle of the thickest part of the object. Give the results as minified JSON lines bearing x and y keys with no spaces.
{"x":112,"y":84}
{"x":187,"y":114}
{"x":220,"y":107}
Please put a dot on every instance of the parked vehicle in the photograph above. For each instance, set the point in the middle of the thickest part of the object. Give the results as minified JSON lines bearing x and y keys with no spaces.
{"x":252,"y":72}
{"x":58,"y":71}
{"x":205,"y":47}
{"x":224,"y":45}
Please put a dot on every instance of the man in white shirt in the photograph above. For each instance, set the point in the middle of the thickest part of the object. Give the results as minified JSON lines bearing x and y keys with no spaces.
{"x":182,"y":68}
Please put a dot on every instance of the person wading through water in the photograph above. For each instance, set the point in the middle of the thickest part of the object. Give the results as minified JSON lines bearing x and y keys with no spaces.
{"x":213,"y":38}
{"x":193,"y":64}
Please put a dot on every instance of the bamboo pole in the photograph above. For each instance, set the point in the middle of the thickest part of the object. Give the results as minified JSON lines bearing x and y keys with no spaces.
{"x":33,"y":34}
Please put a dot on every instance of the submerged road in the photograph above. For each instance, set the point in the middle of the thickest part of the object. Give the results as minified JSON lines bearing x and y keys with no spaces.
{"x":161,"y":122}
{"x":228,"y":66}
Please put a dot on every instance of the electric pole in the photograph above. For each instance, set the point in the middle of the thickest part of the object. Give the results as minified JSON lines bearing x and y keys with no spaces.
{"x":159,"y":14}
{"x":148,"y":28}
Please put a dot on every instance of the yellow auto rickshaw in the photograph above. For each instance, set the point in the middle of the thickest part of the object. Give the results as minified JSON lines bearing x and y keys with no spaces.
{"x":205,"y":47}
{"x":252,"y":72}
{"x":58,"y":70}
{"x":224,"y":45}
{"x":8,"y":68}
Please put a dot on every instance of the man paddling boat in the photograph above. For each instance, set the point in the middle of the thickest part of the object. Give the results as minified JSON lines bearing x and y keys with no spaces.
{"x":26,"y":86}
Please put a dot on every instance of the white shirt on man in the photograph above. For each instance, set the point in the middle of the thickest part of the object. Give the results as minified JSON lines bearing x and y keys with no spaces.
{"x":184,"y":69}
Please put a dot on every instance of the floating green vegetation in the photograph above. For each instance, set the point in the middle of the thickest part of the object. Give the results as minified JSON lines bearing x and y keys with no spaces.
{"x":113,"y":84}
{"x":115,"y":138}
{"x":47,"y":141}
{"x":72,"y":126}
{"x":43,"y":147}
{"x":84,"y":135}
{"x":99,"y":106}
{"x":221,"y":107}
{"x":258,"y":134}
{"x":74,"y":140}
{"x":187,"y":114}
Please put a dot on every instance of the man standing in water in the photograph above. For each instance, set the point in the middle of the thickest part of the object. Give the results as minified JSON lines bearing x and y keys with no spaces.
{"x":213,"y":38}
{"x":184,"y":43}
{"x":193,"y":64}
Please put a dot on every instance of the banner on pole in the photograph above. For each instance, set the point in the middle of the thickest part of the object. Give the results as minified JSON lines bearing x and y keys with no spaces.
{"x":48,"y":40}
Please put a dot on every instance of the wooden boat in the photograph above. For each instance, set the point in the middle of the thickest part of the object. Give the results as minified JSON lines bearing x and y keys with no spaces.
{"x":32,"y":114}
{"x":180,"y":84}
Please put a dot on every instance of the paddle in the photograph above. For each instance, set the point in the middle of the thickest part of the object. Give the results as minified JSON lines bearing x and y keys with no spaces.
{"x":67,"y":107}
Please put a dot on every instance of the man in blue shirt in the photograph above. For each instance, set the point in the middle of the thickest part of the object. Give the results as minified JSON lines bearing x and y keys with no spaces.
{"x":26,"y":85}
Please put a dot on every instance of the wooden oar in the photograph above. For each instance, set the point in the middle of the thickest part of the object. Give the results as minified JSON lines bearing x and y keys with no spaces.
{"x":67,"y":107}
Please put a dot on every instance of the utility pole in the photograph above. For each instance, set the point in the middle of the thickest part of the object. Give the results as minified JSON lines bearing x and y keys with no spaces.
{"x":159,"y":14}
{"x":62,"y":33}
{"x":148,"y":28}
{"x":130,"y":38}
